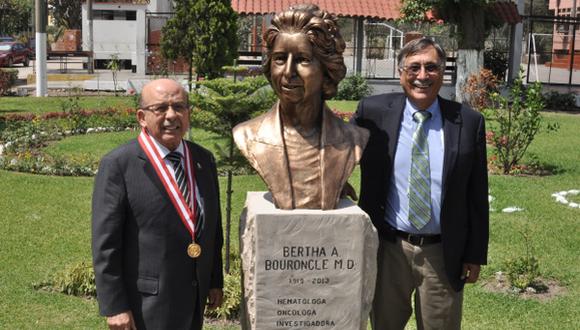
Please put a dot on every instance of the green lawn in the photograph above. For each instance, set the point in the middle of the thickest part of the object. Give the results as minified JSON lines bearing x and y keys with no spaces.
{"x":38,"y":105}
{"x":45,"y":226}
{"x":97,"y":145}
{"x":13,"y":104}
{"x":346,"y":106}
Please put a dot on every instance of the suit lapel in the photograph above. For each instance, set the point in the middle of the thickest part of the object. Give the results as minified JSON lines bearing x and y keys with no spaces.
{"x":392,"y":123}
{"x":150,"y":173}
{"x":451,"y":133}
{"x":202,"y":176}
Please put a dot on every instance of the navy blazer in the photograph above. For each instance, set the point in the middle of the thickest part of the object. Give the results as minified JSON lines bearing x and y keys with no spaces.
{"x":139,"y":242}
{"x":464,"y":204}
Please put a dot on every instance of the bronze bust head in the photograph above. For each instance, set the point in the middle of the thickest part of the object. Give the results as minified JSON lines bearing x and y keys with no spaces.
{"x":304,"y":153}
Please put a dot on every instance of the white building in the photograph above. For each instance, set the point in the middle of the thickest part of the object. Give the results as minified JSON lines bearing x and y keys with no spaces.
{"x":119,"y":28}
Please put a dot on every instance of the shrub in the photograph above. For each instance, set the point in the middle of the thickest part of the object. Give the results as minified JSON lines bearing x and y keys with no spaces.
{"x":230,"y":308}
{"x":557,"y":101}
{"x":479,"y":87}
{"x":76,"y":280}
{"x":495,"y":61}
{"x":243,"y":71}
{"x":514,"y":122}
{"x":353,"y":87}
{"x":7,"y":80}
{"x":72,"y":107}
{"x":523,"y":272}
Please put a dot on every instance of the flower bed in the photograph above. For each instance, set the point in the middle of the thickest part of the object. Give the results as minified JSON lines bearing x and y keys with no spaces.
{"x":22,"y":138}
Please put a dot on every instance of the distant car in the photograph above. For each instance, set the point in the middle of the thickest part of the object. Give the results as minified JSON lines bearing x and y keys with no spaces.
{"x":13,"y":53}
{"x":6,"y":39}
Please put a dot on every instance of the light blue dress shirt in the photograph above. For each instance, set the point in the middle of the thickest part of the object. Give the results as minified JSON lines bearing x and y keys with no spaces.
{"x":397,"y":205}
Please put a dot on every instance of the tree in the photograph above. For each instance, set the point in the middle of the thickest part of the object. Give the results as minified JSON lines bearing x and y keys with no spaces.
{"x":114,"y":65}
{"x":514,"y":122}
{"x":473,"y":20}
{"x":67,"y":13}
{"x":203,"y":32}
{"x":14,"y":16}
{"x":220,"y":105}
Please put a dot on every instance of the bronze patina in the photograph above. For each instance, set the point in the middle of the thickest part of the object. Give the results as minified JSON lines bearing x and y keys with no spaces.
{"x":303,"y":152}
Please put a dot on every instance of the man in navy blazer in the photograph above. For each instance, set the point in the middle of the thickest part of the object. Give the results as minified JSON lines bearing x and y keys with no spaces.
{"x":147,"y":276}
{"x":432,"y":260}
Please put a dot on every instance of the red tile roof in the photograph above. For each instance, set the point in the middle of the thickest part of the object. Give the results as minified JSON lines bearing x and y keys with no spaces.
{"x":381,"y":9}
{"x":134,"y":2}
{"x":507,"y":11}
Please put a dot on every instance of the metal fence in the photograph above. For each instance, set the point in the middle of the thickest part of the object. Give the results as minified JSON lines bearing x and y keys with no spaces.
{"x":552,"y":47}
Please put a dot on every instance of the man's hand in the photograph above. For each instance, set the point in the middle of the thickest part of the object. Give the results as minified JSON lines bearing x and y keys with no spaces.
{"x":123,"y":321}
{"x":215,"y":298}
{"x":349,"y":191}
{"x":470,"y":273}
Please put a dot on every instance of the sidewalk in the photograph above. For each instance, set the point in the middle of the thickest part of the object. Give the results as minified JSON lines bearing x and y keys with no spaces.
{"x":76,"y":77}
{"x":102,"y":80}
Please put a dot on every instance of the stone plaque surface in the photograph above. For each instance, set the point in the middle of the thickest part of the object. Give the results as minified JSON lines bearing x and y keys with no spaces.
{"x":306,"y":269}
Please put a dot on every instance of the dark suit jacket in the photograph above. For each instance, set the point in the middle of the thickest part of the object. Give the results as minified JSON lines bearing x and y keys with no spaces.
{"x":139,"y":242}
{"x":464,"y":205}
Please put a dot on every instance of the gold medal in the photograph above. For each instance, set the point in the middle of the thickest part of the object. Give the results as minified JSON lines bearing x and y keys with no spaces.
{"x":193,"y":250}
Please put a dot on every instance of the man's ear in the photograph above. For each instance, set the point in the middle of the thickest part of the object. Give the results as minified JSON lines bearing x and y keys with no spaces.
{"x":141,"y":118}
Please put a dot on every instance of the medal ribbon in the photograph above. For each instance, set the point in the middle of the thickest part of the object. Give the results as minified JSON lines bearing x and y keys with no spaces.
{"x":186,"y":212}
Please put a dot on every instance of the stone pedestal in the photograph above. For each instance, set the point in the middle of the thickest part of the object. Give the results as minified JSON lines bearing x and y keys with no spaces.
{"x":306,"y":269}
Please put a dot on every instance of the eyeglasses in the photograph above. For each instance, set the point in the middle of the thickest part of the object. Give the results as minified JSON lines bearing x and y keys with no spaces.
{"x":162,"y":108}
{"x":414,"y":69}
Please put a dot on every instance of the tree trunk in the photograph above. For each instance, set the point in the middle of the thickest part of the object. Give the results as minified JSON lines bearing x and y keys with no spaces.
{"x":189,"y":76}
{"x":468,"y":62}
{"x":470,"y":41}
{"x":229,"y":193}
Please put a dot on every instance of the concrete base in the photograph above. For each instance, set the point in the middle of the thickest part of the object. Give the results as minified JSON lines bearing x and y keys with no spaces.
{"x":306,"y":269}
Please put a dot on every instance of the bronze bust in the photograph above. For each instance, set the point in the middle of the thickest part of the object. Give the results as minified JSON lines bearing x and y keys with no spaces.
{"x":303,"y":152}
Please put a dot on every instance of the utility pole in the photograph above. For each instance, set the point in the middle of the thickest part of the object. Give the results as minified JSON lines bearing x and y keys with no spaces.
{"x":573,"y":41}
{"x":91,"y":64}
{"x":41,"y":22}
{"x":517,"y":34}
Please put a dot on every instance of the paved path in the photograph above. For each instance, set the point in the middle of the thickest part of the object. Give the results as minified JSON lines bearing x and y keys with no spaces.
{"x":103,"y":80}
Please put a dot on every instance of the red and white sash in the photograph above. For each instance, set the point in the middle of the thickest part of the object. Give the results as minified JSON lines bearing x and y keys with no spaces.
{"x":186,"y":212}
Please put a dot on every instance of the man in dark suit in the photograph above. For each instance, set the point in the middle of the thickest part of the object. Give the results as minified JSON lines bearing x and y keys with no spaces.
{"x":156,"y":228}
{"x":424,"y":185}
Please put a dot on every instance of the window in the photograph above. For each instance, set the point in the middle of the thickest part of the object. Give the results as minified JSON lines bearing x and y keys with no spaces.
{"x":131,"y":15}
{"x":115,"y":15}
{"x":104,"y":15}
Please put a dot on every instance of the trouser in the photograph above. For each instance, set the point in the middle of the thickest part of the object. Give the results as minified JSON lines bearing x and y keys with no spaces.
{"x":404,"y":269}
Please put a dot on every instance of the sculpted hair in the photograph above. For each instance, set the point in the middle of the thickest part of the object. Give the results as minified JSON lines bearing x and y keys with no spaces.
{"x":321,"y":28}
{"x":417,"y":45}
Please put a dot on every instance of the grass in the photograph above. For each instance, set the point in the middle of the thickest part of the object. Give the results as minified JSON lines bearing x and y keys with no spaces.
{"x":97,"y":145}
{"x":346,"y":106}
{"x":45,"y":221}
{"x":39,"y":105}
{"x":31,"y":78}
{"x":13,"y":104}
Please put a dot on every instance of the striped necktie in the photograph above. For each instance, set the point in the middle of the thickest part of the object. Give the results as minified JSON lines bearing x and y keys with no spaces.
{"x":420,"y":177}
{"x":180,"y":177}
